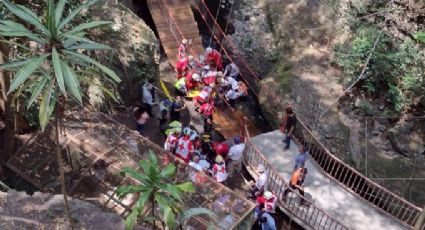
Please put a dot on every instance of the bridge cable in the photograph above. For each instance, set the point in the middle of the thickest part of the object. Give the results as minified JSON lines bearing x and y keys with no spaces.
{"x":213,"y":30}
{"x":227,"y":23}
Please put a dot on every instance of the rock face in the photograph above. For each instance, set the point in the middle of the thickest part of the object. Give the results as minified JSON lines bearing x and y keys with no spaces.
{"x":290,"y":43}
{"x":135,"y":55}
{"x":44,"y":211}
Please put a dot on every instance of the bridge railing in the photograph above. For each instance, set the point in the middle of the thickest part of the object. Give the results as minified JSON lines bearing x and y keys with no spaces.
{"x":352,"y":180}
{"x":309,"y":214}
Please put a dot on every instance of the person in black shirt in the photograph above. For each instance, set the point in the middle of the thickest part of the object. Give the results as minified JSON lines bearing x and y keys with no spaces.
{"x":289,"y":127}
{"x":176,"y":108}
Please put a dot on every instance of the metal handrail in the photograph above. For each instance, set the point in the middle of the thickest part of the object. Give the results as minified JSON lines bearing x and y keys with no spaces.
{"x":381,"y":198}
{"x":310,"y":214}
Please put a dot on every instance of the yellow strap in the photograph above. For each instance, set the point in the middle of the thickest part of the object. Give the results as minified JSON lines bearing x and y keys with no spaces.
{"x":165,"y":89}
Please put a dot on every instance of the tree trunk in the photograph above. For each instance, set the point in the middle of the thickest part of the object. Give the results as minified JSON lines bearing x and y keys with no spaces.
{"x":60,"y":164}
{"x":9,"y":112}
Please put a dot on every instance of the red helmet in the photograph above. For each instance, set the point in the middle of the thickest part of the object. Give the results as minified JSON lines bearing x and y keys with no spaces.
{"x":221,"y":148}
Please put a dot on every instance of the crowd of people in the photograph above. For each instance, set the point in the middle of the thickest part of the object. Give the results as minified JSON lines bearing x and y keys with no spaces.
{"x":204,"y":81}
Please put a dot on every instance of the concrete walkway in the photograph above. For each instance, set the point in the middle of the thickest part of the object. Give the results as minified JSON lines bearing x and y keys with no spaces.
{"x":353,"y":212}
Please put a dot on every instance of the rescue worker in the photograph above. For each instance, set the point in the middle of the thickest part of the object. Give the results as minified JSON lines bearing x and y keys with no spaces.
{"x":182,"y":66}
{"x":176,"y":107}
{"x":171,"y":141}
{"x":214,"y":57}
{"x":192,"y":81}
{"x":220,"y":148}
{"x":219,"y":169}
{"x":180,"y":86}
{"x":183,"y":48}
{"x":269,"y":200}
{"x":184,"y":148}
{"x":174,"y":125}
{"x":296,"y":183}
{"x":207,"y":110}
{"x":204,"y":95}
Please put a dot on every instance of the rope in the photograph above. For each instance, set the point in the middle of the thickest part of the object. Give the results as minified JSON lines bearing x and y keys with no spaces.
{"x":225,"y":51}
{"x":227,"y":23}
{"x":232,"y":44}
{"x":216,"y":16}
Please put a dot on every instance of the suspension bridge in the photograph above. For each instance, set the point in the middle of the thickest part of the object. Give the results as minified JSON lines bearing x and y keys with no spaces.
{"x":338,"y":197}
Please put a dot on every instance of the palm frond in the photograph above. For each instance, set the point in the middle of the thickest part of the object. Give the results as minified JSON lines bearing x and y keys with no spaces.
{"x":85,"y":26}
{"x":74,"y":13}
{"x":71,"y":81}
{"x":58,"y":71}
{"x":59,"y":11}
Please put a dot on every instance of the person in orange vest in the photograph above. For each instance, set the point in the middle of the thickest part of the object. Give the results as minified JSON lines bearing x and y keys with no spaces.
{"x":269,"y":200}
{"x":183,"y":49}
{"x":296,"y":183}
{"x":184,"y":148}
{"x":213,"y":56}
{"x":182,"y":66}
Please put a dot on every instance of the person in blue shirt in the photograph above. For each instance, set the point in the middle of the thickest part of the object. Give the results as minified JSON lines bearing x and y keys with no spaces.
{"x":301,"y":158}
{"x":267,"y":222}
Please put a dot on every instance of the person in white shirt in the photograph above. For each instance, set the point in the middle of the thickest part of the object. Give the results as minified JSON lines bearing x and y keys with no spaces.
{"x":232,"y":70}
{"x":235,"y":155}
{"x":230,"y":81}
{"x":198,"y":164}
{"x":261,"y":184}
{"x":231,"y":96}
{"x":148,"y":100}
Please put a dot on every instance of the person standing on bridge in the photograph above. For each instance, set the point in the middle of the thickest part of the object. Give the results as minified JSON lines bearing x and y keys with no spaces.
{"x":296,"y":183}
{"x":183,"y":49}
{"x":301,"y":158}
{"x":291,"y":122}
{"x":260,"y":185}
{"x":235,"y":156}
{"x":213,"y":57}
{"x":232,"y":70}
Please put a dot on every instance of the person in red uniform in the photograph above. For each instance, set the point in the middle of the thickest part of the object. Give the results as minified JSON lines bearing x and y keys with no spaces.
{"x":184,"y":148}
{"x":207,"y":109}
{"x":182,"y":66}
{"x":204,"y":95}
{"x":269,"y":200}
{"x":192,"y":80}
{"x":213,"y":56}
{"x":221,"y":148}
{"x":183,"y":49}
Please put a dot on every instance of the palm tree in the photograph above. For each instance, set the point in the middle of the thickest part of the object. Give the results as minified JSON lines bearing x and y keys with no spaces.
{"x":54,"y":64}
{"x":155,"y":187}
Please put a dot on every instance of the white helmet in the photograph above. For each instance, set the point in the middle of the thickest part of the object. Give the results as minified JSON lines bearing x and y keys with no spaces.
{"x":209,"y":50}
{"x":220,"y":74}
{"x":184,"y":41}
{"x":190,"y":58}
{"x":196,"y":77}
{"x":212,"y":85}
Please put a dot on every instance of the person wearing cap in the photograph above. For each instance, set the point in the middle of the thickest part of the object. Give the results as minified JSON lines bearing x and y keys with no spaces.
{"x":221,"y":148}
{"x":219,"y":169}
{"x":171,"y":141}
{"x":176,"y":107}
{"x":261,"y":184}
{"x":199,"y":164}
{"x":184,"y":148}
{"x":148,"y":100}
{"x":296,"y":183}
{"x":269,"y":200}
{"x":183,"y":48}
{"x":214,"y":57}
{"x":235,"y":155}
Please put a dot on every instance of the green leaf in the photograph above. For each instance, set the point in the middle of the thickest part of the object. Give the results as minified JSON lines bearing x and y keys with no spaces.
{"x":27,"y":15}
{"x":123,"y":190}
{"x":420,"y":36}
{"x":27,"y":34}
{"x":169,"y":218}
{"x":144,"y":164}
{"x":50,"y":17}
{"x":59,"y":11}
{"x":37,"y":90}
{"x":172,"y":190}
{"x":152,"y":158}
{"x":187,"y":214}
{"x":12,"y":43}
{"x":23,"y":74}
{"x":58,"y":71}
{"x":13,"y":65}
{"x":75,"y":13}
{"x":168,"y":171}
{"x":87,"y":59}
{"x":74,"y":39}
{"x":44,"y":113}
{"x":71,"y":81}
{"x":131,"y":219}
{"x":135,"y":174}
{"x":101,"y":87}
{"x":186,"y":187}
{"x":90,"y":46}
{"x":86,"y":26}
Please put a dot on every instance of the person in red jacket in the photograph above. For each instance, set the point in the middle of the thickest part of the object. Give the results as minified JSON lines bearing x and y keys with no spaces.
{"x":213,"y":56}
{"x":182,"y":66}
{"x":207,"y":109}
{"x":192,"y":80}
{"x":221,"y":148}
